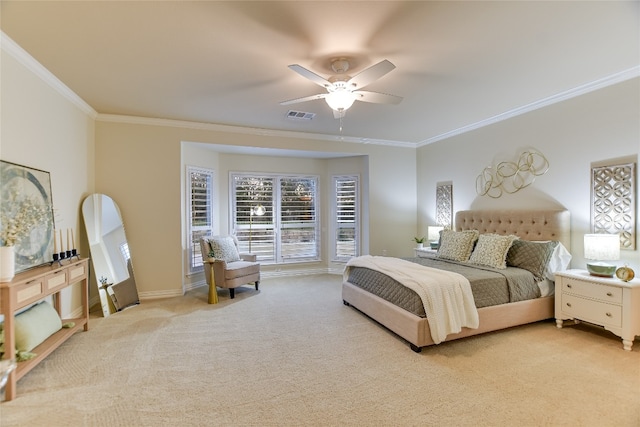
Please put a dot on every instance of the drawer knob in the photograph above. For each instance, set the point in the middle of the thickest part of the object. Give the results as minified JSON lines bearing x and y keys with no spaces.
{"x":569,"y":286}
{"x":608,"y":314}
{"x":568,"y":304}
{"x":609,"y":294}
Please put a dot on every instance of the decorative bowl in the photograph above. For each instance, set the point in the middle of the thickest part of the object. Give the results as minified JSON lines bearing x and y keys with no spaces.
{"x":601,"y":270}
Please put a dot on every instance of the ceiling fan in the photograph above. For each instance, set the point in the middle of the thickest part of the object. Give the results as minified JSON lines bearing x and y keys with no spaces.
{"x":343,"y":90}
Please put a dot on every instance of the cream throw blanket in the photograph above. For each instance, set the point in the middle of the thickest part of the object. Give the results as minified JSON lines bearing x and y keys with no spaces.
{"x":447,"y":298}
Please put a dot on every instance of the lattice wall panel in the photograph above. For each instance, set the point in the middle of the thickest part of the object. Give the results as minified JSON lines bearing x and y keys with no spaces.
{"x":614,"y":205}
{"x":444,"y":205}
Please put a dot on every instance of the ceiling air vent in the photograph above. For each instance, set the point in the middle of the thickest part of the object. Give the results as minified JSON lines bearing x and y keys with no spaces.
{"x":299,"y":115}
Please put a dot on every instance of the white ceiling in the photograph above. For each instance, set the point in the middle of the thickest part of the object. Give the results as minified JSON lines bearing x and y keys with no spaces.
{"x":459,"y":64}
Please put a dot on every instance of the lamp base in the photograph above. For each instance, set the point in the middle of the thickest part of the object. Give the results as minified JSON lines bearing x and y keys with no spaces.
{"x":601,"y":269}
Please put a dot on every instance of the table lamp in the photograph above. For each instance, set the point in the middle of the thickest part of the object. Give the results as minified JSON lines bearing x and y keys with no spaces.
{"x":599,"y":248}
{"x":433,"y":235}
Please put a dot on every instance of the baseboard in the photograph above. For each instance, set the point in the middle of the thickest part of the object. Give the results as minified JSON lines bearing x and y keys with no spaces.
{"x":146,"y":296}
{"x":264,"y":274}
{"x":267,"y":274}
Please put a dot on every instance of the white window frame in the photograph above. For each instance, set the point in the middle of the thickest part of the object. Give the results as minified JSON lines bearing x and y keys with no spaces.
{"x":336,"y":225}
{"x":194,"y":260}
{"x":275,"y":253}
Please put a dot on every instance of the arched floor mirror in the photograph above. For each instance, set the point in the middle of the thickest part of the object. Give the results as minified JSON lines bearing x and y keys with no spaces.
{"x":110,"y":253}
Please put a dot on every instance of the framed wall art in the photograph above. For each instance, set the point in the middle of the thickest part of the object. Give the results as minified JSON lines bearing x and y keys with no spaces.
{"x":613,"y":205}
{"x":26,"y":206}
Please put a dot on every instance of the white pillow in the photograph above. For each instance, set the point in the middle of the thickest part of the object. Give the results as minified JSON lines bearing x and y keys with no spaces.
{"x":559,"y":261}
{"x":224,"y":248}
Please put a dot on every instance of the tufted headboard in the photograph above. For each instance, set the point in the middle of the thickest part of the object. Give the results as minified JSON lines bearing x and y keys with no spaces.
{"x":528,"y":225}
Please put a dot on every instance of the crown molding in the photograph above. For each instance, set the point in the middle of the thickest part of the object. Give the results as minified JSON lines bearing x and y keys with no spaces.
{"x":559,"y":97}
{"x":29,"y":62}
{"x":149,"y":121}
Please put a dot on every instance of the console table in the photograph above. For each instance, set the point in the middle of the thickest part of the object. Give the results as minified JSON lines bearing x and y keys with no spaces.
{"x":29,"y":287}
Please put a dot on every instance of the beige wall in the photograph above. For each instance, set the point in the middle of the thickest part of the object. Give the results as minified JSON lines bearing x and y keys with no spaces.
{"x":142,"y":167}
{"x":43,"y":129}
{"x":573,"y":134}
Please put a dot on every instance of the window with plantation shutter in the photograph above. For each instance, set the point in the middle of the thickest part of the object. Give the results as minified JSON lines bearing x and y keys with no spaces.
{"x":345,"y":234}
{"x":253,"y":219}
{"x":298,"y":220}
{"x":275,"y":217}
{"x":200,"y":212}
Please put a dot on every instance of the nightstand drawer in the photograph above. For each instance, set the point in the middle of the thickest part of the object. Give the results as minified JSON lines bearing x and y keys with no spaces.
{"x":606,"y":293}
{"x":592,"y":311}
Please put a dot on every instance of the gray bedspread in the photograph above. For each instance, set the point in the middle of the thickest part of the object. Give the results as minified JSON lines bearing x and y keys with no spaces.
{"x":489,"y":286}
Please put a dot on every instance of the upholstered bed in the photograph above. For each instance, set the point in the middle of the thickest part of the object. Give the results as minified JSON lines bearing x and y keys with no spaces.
{"x":504,"y":308}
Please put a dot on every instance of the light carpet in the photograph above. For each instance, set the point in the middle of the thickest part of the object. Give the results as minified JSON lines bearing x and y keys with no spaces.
{"x":293,"y":355}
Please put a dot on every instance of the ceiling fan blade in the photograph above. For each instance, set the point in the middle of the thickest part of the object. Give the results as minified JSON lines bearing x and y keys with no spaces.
{"x":305,"y":99}
{"x":371,"y":74}
{"x":376,"y":97}
{"x":321,"y":81}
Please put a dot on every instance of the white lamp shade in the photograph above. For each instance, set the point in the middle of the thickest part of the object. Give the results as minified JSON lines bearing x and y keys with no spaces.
{"x":433,"y":233}
{"x":340,"y":99}
{"x":602,"y":247}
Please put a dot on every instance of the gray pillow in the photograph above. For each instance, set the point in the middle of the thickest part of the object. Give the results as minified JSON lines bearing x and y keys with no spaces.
{"x":224,"y":248}
{"x":532,"y":256}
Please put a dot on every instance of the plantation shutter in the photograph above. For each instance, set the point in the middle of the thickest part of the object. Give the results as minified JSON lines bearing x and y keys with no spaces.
{"x":298,"y":219}
{"x":255,"y":233}
{"x":289,"y":228}
{"x":200,"y":213}
{"x":346,"y":218}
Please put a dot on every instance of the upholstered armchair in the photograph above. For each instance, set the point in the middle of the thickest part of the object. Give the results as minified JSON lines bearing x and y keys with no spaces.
{"x":227,"y":268}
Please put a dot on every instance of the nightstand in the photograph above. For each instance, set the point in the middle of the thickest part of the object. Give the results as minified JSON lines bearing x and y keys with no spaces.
{"x":607,"y":302}
{"x":425,"y":252}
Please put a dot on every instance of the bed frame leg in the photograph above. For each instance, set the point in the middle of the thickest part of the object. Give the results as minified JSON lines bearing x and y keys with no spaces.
{"x":415,"y":348}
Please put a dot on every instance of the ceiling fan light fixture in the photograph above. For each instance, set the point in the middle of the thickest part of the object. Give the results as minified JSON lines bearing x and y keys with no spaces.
{"x":340,"y":100}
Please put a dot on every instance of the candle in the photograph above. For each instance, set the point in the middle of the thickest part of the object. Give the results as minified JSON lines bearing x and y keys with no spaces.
{"x":73,"y":240}
{"x":68,"y":239}
{"x":55,"y":242}
{"x":61,"y":244}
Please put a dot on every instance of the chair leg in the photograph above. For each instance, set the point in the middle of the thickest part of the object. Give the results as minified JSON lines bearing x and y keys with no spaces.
{"x":232,"y":293}
{"x":257,"y":283}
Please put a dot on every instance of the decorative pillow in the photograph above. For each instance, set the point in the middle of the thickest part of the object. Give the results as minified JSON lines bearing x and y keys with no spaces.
{"x":224,"y":248}
{"x":457,"y":245}
{"x":33,"y":326}
{"x":532,"y":256}
{"x":491,"y":250}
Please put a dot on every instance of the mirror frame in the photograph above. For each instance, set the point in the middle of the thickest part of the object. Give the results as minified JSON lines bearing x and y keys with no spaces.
{"x":110,"y":255}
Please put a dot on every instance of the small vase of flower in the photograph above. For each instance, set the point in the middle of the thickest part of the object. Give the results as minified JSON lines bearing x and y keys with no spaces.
{"x":19,"y":216}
